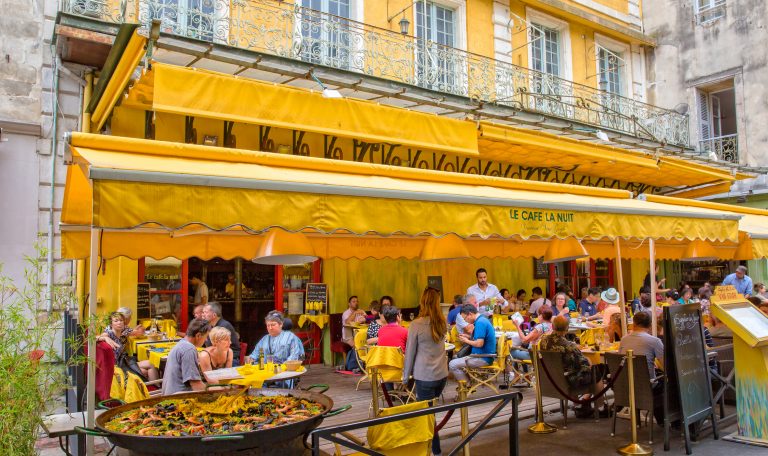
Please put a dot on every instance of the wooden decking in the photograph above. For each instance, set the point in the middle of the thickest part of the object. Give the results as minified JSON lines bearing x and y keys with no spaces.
{"x":342,"y":391}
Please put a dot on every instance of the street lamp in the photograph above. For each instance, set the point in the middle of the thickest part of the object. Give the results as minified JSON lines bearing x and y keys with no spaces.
{"x":404,"y":25}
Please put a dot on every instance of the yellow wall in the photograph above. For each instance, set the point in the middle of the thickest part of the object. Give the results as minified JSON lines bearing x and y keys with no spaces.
{"x":404,"y":280}
{"x":480,"y":27}
{"x":117,"y":285}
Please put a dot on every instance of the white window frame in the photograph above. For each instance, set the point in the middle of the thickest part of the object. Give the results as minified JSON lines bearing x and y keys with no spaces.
{"x":220,"y":19}
{"x":356,"y":13}
{"x":625,"y":71}
{"x":459,"y":8}
{"x":533,"y":16}
{"x":715,"y":8}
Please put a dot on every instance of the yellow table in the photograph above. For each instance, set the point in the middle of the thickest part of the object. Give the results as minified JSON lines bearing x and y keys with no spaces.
{"x":155,"y":357}
{"x":320,"y":320}
{"x":254,"y":377}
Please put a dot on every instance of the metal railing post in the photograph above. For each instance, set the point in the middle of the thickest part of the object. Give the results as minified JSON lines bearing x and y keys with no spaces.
{"x":464,"y":412}
{"x":633,"y":448}
{"x":374,"y":378}
{"x":540,"y":427}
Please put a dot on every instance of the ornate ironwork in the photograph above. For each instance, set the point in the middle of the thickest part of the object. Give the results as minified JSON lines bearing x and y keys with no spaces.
{"x":725,"y":148}
{"x":291,"y":31}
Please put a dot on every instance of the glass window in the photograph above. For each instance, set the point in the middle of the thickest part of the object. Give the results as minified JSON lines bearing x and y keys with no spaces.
{"x":545,"y":49}
{"x":325,"y":32}
{"x":610,"y":64}
{"x":435,"y":57}
{"x":164,"y":278}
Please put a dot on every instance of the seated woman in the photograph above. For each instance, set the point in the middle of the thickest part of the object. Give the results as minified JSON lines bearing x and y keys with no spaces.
{"x":376,"y":322}
{"x":116,"y":335}
{"x":218,"y":355}
{"x":561,"y":306}
{"x":281,"y":345}
{"x":545,"y":327}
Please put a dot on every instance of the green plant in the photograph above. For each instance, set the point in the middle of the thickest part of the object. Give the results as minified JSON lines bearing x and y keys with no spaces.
{"x":32,"y":373}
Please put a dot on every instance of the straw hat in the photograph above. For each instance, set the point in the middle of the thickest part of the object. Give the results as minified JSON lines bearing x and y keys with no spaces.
{"x":611,"y":296}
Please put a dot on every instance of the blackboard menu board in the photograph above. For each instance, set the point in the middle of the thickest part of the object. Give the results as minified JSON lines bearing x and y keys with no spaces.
{"x":142,"y":301}
{"x":317,"y":297}
{"x":685,"y":361}
{"x":436,"y":282}
{"x":540,"y":269}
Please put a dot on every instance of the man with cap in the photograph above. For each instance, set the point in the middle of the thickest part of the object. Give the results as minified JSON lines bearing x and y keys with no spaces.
{"x":611,"y":298}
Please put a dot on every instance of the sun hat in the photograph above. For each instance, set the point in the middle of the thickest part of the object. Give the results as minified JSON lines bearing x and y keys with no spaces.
{"x":611,"y":296}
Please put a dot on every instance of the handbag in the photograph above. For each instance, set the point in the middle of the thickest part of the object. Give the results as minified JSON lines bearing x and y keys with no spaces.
{"x":129,"y":364}
{"x":465,"y":350}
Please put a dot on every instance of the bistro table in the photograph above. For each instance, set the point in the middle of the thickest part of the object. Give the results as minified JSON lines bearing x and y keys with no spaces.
{"x":596,"y":356}
{"x":157,"y":353}
{"x":251,"y":376}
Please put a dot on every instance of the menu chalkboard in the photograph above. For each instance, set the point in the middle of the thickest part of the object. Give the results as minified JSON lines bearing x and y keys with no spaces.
{"x":685,"y":364}
{"x":436,"y":282}
{"x":142,"y":301}
{"x":540,"y":269}
{"x":317,"y":297}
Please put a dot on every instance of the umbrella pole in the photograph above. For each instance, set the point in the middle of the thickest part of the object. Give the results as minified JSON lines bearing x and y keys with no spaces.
{"x":91,"y":319}
{"x":652,"y":275}
{"x":620,"y":278}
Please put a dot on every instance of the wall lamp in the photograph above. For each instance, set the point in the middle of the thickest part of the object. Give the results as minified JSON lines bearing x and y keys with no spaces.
{"x":404,"y":23}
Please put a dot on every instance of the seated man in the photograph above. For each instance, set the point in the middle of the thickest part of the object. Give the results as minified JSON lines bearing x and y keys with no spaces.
{"x":182,"y":370}
{"x":483,"y":342}
{"x":462,"y":325}
{"x":392,"y":334}
{"x":642,"y":343}
{"x":281,"y":345}
{"x":458,"y":301}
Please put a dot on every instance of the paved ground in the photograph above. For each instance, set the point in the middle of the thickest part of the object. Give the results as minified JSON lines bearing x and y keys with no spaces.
{"x":583,"y":437}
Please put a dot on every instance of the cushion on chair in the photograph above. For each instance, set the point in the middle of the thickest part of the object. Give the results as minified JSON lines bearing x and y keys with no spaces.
{"x":405,"y":437}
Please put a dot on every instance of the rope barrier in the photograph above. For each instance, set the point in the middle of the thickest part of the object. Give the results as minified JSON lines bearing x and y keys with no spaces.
{"x":594,"y":397}
{"x":444,"y":421}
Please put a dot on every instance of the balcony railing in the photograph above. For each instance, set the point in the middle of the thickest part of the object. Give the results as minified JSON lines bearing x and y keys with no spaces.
{"x":725,"y":148}
{"x":290,"y":31}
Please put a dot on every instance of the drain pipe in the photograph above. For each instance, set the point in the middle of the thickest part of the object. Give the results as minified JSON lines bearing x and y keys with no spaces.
{"x":54,"y":147}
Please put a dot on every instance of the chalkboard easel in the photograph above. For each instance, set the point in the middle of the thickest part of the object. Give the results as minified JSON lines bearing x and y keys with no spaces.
{"x":316,"y":298}
{"x":688,"y":388}
{"x":436,"y":282}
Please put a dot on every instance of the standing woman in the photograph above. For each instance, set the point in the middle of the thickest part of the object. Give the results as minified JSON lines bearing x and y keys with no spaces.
{"x":425,"y":358}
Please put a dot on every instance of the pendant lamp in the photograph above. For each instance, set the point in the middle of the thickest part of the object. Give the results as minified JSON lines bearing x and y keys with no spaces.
{"x":282,"y":247}
{"x":566,"y":249}
{"x":699,"y":250}
{"x":448,"y":247}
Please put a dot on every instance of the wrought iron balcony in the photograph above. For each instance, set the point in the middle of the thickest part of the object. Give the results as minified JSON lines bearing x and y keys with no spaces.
{"x":294,"y":32}
{"x":725,"y":148}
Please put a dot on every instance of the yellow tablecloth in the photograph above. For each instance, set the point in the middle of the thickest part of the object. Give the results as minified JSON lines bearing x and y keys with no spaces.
{"x":254,"y":377}
{"x":156,"y":356}
{"x":319,"y":320}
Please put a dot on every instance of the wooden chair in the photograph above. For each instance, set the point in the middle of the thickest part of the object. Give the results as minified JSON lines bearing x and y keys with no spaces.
{"x":723,"y":376}
{"x":644,"y":399}
{"x":553,"y":360}
{"x":486,"y":375}
{"x":338,"y":347}
{"x":361,"y":349}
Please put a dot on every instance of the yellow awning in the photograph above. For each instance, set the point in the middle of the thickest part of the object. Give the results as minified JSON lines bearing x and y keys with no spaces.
{"x":572,"y":157}
{"x":753,"y":226}
{"x":202,"y":93}
{"x":172,"y":185}
{"x":134,"y":51}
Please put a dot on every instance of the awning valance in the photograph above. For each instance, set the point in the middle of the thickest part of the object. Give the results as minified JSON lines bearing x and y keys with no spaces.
{"x":196,"y":92}
{"x":183,"y":185}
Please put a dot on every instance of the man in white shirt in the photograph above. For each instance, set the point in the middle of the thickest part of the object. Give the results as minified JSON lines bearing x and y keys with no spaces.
{"x":201,"y":289}
{"x":538,"y":301}
{"x":484,"y":292}
{"x":351,"y":316}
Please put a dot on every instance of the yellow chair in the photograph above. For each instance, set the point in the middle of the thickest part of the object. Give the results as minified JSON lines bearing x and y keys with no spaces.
{"x":592,"y":336}
{"x":361,"y":349}
{"x":486,"y":375}
{"x":412,"y":436}
{"x":129,"y":387}
{"x":388,"y":362}
{"x":455,"y":337}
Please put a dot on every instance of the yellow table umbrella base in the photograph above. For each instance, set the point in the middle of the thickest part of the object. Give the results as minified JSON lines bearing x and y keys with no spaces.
{"x":634,"y":448}
{"x":541,"y":428}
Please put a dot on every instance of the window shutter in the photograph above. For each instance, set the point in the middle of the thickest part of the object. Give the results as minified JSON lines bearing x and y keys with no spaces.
{"x":705,"y":115}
